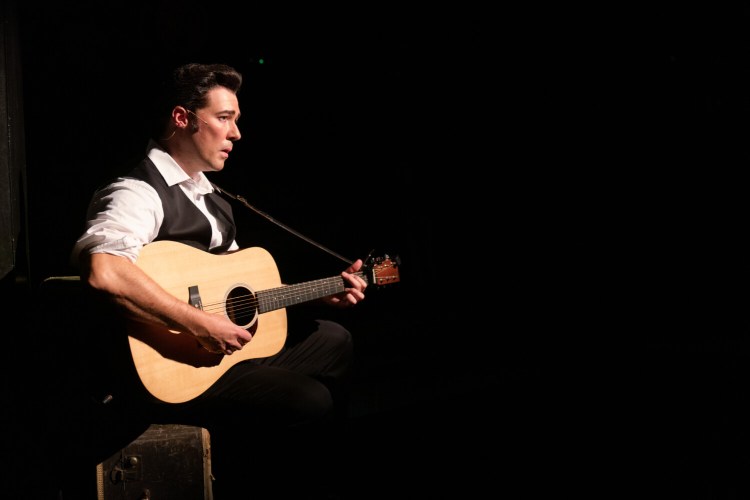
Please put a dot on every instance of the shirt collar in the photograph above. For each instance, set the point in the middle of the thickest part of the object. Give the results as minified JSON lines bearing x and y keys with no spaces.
{"x":173,"y":173}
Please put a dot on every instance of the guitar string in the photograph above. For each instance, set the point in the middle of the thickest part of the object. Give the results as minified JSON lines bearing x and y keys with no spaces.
{"x":248,"y":302}
{"x":243,"y":305}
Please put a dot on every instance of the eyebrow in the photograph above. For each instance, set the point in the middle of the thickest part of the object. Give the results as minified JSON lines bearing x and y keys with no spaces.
{"x":230,"y":112}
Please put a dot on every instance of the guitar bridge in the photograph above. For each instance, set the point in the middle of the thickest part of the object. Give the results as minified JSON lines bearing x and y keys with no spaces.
{"x":195,"y":297}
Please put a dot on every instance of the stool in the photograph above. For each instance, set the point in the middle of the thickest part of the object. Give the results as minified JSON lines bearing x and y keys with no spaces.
{"x":167,"y":462}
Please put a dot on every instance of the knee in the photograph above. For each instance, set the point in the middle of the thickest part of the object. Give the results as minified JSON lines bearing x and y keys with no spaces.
{"x":336,"y":335}
{"x":316,"y":404}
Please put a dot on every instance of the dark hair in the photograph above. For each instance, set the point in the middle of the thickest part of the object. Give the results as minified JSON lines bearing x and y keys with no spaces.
{"x":188,"y":87}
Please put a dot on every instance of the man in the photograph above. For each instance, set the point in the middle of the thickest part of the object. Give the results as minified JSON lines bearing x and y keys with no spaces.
{"x":258,"y":411}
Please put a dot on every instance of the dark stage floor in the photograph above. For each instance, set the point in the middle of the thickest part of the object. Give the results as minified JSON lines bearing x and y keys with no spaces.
{"x":693,"y":412}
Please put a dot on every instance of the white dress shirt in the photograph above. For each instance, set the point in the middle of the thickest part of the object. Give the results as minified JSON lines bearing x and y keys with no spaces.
{"x":126,"y":215}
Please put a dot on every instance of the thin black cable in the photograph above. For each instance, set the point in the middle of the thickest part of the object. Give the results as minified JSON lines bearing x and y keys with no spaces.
{"x":280,"y":224}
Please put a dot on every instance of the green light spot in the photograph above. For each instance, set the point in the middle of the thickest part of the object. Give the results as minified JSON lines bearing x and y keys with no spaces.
{"x":261,"y":61}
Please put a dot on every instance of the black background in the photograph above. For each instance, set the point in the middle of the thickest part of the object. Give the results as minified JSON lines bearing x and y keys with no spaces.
{"x":472,"y":143}
{"x":566,"y":192}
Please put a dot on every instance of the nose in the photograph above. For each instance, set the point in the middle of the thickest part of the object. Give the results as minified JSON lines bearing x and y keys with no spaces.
{"x":234,"y":131}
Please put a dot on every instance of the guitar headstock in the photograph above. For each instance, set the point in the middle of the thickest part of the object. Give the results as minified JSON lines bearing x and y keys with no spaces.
{"x":382,"y":270}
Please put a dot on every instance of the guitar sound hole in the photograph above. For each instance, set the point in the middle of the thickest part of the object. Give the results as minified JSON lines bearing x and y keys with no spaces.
{"x":242,"y":306}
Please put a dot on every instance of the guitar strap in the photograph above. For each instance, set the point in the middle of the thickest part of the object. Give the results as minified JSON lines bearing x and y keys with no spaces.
{"x":280,"y":224}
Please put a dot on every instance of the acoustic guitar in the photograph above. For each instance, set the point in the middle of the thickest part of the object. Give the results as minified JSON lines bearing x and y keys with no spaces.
{"x":246,"y":287}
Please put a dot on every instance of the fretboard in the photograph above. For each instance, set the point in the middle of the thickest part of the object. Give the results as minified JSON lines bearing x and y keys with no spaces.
{"x":289,"y":295}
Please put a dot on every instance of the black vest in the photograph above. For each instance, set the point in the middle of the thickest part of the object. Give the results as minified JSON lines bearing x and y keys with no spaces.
{"x":183,"y":221}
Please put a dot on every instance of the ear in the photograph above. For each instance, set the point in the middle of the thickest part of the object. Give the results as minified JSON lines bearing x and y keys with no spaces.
{"x":180,"y":117}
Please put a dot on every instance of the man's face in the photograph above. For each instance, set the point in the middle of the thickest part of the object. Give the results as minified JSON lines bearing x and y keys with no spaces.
{"x":217,"y":128}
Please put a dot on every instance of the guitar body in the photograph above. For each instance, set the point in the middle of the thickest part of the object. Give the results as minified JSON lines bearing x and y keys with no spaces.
{"x":173,"y":366}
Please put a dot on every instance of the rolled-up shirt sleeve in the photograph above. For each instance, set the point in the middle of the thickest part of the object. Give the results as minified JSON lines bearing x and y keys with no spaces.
{"x":121,"y":218}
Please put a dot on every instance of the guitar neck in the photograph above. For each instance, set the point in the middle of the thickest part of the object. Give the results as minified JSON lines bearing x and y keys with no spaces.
{"x":289,"y":295}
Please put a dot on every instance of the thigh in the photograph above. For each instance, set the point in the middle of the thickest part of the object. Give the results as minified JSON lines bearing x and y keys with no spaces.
{"x":295,"y":387}
{"x":318,"y":348}
{"x":251,"y":393}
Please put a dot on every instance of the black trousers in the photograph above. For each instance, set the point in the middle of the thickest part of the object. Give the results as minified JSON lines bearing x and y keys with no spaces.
{"x":277,"y":424}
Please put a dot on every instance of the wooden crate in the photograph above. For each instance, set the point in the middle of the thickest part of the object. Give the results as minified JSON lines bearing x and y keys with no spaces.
{"x":167,"y":462}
